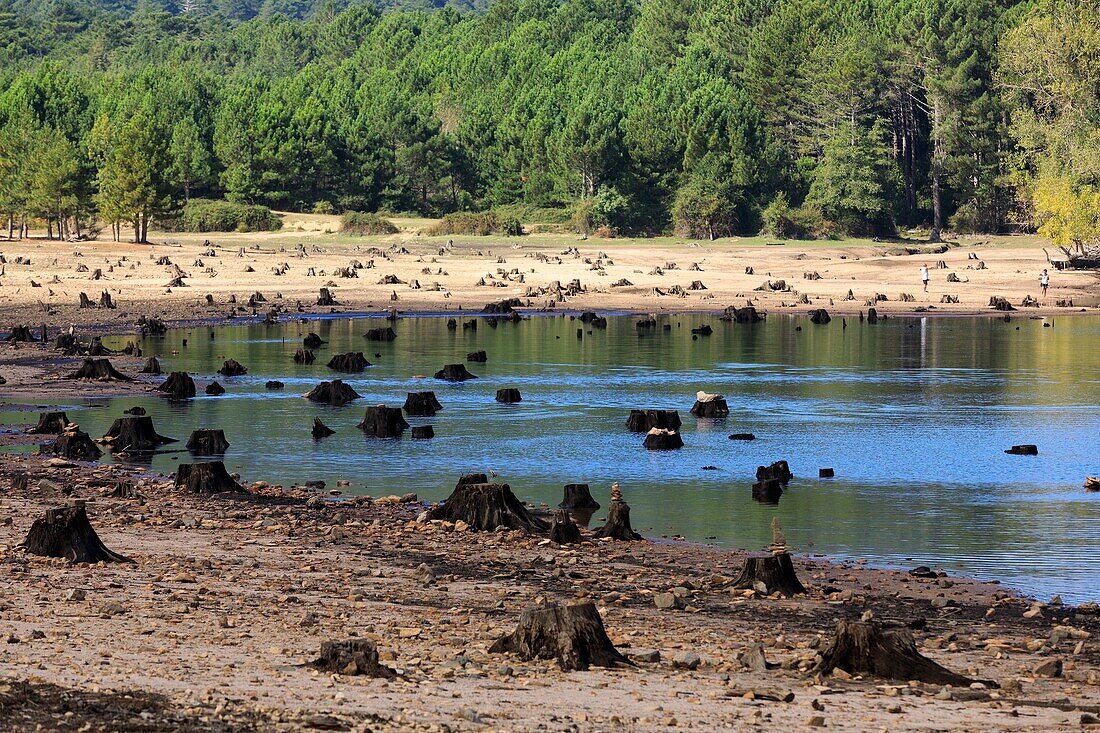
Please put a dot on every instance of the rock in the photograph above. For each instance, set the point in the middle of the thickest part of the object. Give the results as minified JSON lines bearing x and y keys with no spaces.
{"x":687,"y":660}
{"x":75,"y":595}
{"x":649,"y":656}
{"x":1049,"y":668}
{"x":817,"y":721}
{"x":667,"y":601}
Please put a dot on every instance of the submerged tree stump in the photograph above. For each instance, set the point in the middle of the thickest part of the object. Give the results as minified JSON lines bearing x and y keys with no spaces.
{"x":660,"y":439}
{"x":66,"y":532}
{"x":333,"y":393}
{"x":577,"y":496}
{"x":178,"y":386}
{"x":820,"y":317}
{"x":207,"y":442}
{"x":134,"y":435}
{"x":423,"y":432}
{"x":865,"y":648}
{"x":477,"y":357}
{"x":206,"y":478}
{"x":509,"y":396}
{"x":312,"y":341}
{"x":214,"y":389}
{"x":351,"y":362}
{"x":100,"y":370}
{"x":778,"y":471}
{"x":617,"y":526}
{"x":563,"y":529}
{"x":304,"y":356}
{"x":74,"y":445}
{"x":383,"y":422}
{"x":422,"y":404}
{"x":485,"y":507}
{"x":352,"y":657}
{"x":50,"y":423}
{"x":454,"y":373}
{"x":151,"y":366}
{"x":320,"y":430}
{"x":381,"y":334}
{"x":1023,"y":450}
{"x":775,"y":571}
{"x":710,"y":405}
{"x":233,"y":368}
{"x":642,"y":421}
{"x":573,"y":635}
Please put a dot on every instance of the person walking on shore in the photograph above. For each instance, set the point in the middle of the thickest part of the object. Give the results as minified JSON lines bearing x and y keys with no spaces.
{"x":924,"y":276}
{"x":1044,"y":283}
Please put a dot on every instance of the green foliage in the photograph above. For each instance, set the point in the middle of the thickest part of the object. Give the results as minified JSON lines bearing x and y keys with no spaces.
{"x":782,"y":221}
{"x":364,"y":224}
{"x":477,"y":224}
{"x":204,"y":215}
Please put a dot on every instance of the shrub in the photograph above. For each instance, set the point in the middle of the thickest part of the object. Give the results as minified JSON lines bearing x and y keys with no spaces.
{"x":478,"y":224}
{"x":323,"y":207}
{"x":206,"y":215}
{"x":782,"y":221}
{"x":358,"y":222}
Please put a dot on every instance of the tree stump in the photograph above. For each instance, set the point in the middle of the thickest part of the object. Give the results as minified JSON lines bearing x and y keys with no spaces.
{"x":660,"y":439}
{"x":20,"y":333}
{"x":423,"y":432}
{"x":509,"y":396}
{"x":742,"y":436}
{"x":471,"y":478}
{"x":422,"y":404}
{"x":617,"y":526}
{"x":320,"y":430}
{"x":826,"y":473}
{"x":304,"y":356}
{"x":748,"y":314}
{"x":133,"y":435}
{"x":312,"y":341}
{"x":563,"y":529}
{"x":485,"y":507}
{"x":776,"y":572}
{"x":452,"y":324}
{"x":383,"y":422}
{"x":352,"y":657}
{"x":273,"y":384}
{"x":778,"y":471}
{"x":233,"y":368}
{"x":124,"y":490}
{"x":151,"y":366}
{"x":573,"y":635}
{"x":214,"y":389}
{"x":872,"y":316}
{"x":100,"y":370}
{"x":642,"y":421}
{"x":66,"y":532}
{"x":351,"y":362}
{"x":704,"y":330}
{"x":820,"y":317}
{"x":178,"y":386}
{"x":206,"y":478}
{"x":207,"y":442}
{"x":324,"y":298}
{"x":74,"y":445}
{"x":96,"y":348}
{"x":68,"y":344}
{"x":767,"y":491}
{"x":865,"y":648}
{"x":381,"y":334}
{"x":454,"y":373}
{"x":710,"y":405}
{"x":333,"y":393}
{"x":479,"y":357}
{"x":577,"y":496}
{"x":1023,"y":450}
{"x":50,"y":423}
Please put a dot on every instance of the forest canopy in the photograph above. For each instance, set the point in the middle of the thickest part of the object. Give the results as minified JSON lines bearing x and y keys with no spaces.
{"x":706,"y":118}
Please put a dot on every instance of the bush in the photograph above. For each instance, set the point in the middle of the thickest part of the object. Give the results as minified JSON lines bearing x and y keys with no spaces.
{"x":782,"y":221}
{"x":478,"y":224}
{"x":360,"y":223}
{"x":323,"y":207}
{"x":206,"y":215}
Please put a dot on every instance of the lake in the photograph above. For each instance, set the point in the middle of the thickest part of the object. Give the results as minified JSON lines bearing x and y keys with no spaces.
{"x":913,"y":414}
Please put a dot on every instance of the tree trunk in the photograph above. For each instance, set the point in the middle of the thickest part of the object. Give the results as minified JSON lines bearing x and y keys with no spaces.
{"x":207,"y":442}
{"x":100,"y":370}
{"x":617,"y":526}
{"x":573,"y":635}
{"x":66,"y":532}
{"x":351,"y":657}
{"x":485,"y":507}
{"x":776,"y":572}
{"x":577,"y":496}
{"x":937,"y":172}
{"x":134,"y":435}
{"x":50,"y":423}
{"x":206,"y":478}
{"x":74,"y":445}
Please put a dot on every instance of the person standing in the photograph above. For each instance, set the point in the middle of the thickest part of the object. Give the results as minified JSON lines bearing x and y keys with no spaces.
{"x":1044,"y":283}
{"x":924,"y":276}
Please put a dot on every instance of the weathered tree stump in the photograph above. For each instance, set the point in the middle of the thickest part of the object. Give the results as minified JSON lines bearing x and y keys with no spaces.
{"x":820,"y":317}
{"x":233,"y":368}
{"x":214,"y":389}
{"x":178,"y":386}
{"x":485,"y":507}
{"x":778,"y":471}
{"x":999,"y":303}
{"x":207,"y":442}
{"x":312,"y":341}
{"x":704,"y":330}
{"x":381,"y":334}
{"x":710,"y":405}
{"x":96,"y":348}
{"x":333,"y":393}
{"x":320,"y":430}
{"x":74,"y":445}
{"x":661,"y":439}
{"x":133,"y":435}
{"x":383,"y":422}
{"x":872,"y":316}
{"x":124,"y":490}
{"x":206,"y":478}
{"x":324,"y":298}
{"x":471,"y":478}
{"x":422,"y":404}
{"x":577,"y":496}
{"x":642,"y":421}
{"x":563,"y":529}
{"x":617,"y":526}
{"x":1023,"y":450}
{"x":865,"y":648}
{"x":478,"y":357}
{"x":748,"y":314}
{"x":452,"y":324}
{"x":273,"y":384}
{"x":826,"y":473}
{"x":775,"y":571}
{"x":423,"y":432}
{"x":50,"y":423}
{"x":573,"y":635}
{"x":304,"y":356}
{"x":454,"y":373}
{"x":134,"y":411}
{"x":767,"y":491}
{"x":20,"y":333}
{"x":352,"y":657}
{"x":151,"y":366}
{"x":351,"y":362}
{"x":504,"y":306}
{"x":100,"y":370}
{"x":66,"y":532}
{"x":742,"y":436}
{"x":509,"y":396}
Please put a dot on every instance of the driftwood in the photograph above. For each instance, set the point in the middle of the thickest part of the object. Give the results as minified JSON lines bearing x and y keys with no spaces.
{"x":352,"y":657}
{"x":50,"y":423}
{"x":485,"y":506}
{"x":206,"y":478}
{"x":333,"y":393}
{"x":99,"y":370}
{"x":178,"y":386}
{"x":577,"y":496}
{"x":304,"y":356}
{"x":381,"y":334}
{"x":422,"y":404}
{"x":383,"y":422}
{"x":66,"y":532}
{"x":233,"y":368}
{"x":320,"y":430}
{"x":617,"y":526}
{"x":563,"y":529}
{"x":351,"y":362}
{"x":572,"y":635}
{"x":133,"y":435}
{"x":454,"y":373}
{"x":642,"y":421}
{"x":207,"y":442}
{"x":214,"y":389}
{"x":509,"y":396}
{"x":74,"y":445}
{"x":775,"y":571}
{"x":661,"y":439}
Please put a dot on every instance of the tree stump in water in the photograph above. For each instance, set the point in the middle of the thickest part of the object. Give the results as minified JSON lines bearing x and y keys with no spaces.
{"x":421,"y":404}
{"x":352,"y":657}
{"x":704,"y":330}
{"x":133,"y":435}
{"x":776,"y":572}
{"x":66,"y":532}
{"x":273,"y":384}
{"x":660,"y":439}
{"x":207,"y":442}
{"x":767,"y":491}
{"x":485,"y":507}
{"x":381,"y":334}
{"x":577,"y":496}
{"x":454,"y":373}
{"x":423,"y":432}
{"x":872,"y":316}
{"x":778,"y":471}
{"x":742,"y":436}
{"x":134,"y":411}
{"x":747,"y":314}
{"x":312,"y":341}
{"x":865,"y":648}
{"x":479,"y":357}
{"x":100,"y":370}
{"x":206,"y":478}
{"x":710,"y":405}
{"x":617,"y":526}
{"x":20,"y":333}
{"x":304,"y":356}
{"x":351,"y":362}
{"x":573,"y":635}
{"x":642,"y":421}
{"x":50,"y":423}
{"x":320,"y":430}
{"x":820,"y":317}
{"x":564,"y":530}
{"x":178,"y":386}
{"x":1023,"y":450}
{"x":74,"y":444}
{"x":383,"y":422}
{"x":151,"y":366}
{"x":509,"y":396}
{"x":324,"y":298}
{"x":96,"y":348}
{"x":214,"y":389}
{"x":233,"y":368}
{"x":333,"y":393}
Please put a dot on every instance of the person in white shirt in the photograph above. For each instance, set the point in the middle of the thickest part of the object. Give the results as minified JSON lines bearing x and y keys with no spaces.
{"x":1044,"y":282}
{"x":924,"y":276}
